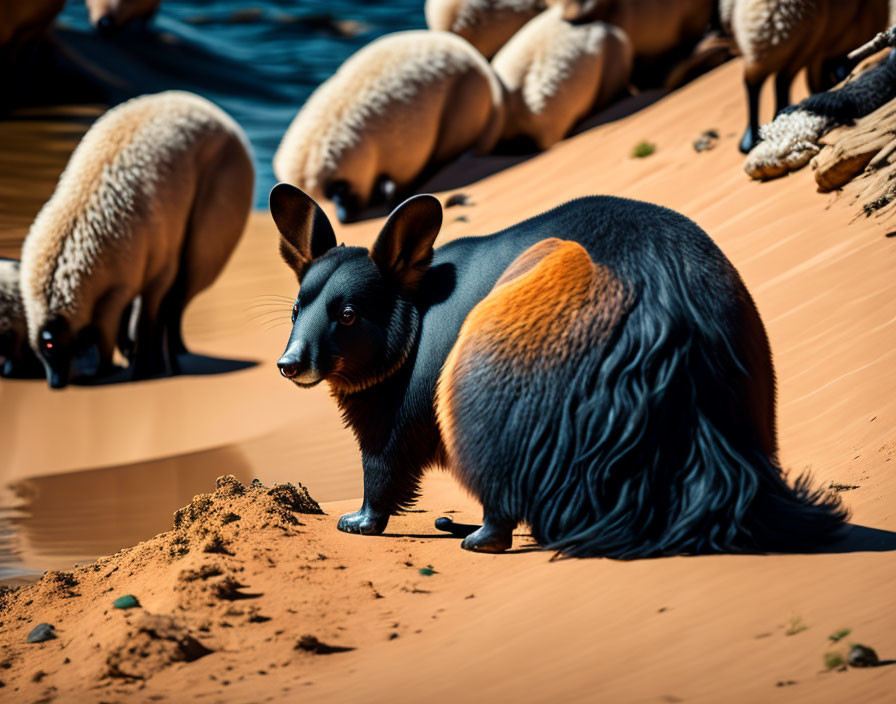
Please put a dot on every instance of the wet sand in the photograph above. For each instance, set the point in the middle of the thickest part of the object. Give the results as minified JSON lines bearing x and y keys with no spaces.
{"x":681,"y":629}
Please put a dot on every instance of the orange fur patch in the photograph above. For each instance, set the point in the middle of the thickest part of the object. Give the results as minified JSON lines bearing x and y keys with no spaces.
{"x":551,"y":304}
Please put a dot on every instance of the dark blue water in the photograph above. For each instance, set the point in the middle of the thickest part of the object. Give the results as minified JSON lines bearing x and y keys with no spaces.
{"x":257,"y":60}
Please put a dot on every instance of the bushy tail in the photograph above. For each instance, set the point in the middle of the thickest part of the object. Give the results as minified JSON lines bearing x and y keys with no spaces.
{"x":667,"y":464}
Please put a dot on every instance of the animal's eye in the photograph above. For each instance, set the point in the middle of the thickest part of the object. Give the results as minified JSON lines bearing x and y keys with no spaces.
{"x":295,"y":311}
{"x":347,"y":315}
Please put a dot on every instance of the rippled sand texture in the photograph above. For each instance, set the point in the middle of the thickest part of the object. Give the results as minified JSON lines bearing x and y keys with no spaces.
{"x":514,"y":627}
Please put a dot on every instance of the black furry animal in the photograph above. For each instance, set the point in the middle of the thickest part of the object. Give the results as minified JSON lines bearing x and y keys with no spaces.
{"x":614,"y":389}
{"x":857,"y":98}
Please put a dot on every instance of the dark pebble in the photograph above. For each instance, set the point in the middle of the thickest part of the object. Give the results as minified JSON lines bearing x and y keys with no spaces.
{"x":41,"y":632}
{"x":311,"y":644}
{"x":457,"y":199}
{"x":862,"y":656}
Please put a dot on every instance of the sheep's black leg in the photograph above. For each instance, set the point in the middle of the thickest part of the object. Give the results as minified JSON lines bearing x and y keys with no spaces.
{"x":782,"y":91}
{"x":751,"y":135}
{"x":127,"y":330}
{"x":149,"y":355}
{"x":386,"y":190}
{"x":347,"y":206}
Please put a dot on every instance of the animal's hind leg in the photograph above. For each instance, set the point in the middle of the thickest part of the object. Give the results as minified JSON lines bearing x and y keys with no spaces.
{"x":495,"y":535}
{"x":172,"y":314}
{"x":783,"y":81}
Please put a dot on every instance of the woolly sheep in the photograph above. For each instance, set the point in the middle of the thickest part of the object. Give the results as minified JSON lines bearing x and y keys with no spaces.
{"x":151,"y":204}
{"x":556,"y":72}
{"x":16,"y":358}
{"x":791,"y":140}
{"x":486,"y":24}
{"x":654,"y":27}
{"x":404,"y":103}
{"x":109,"y":16}
{"x":783,"y":36}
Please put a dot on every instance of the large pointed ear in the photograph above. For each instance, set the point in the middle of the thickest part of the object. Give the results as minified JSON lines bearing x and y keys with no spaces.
{"x":305,"y":231}
{"x":403,"y":249}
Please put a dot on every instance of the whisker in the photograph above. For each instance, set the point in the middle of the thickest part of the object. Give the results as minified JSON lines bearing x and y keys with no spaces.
{"x":278,"y":306}
{"x":268,"y":318}
{"x":270,"y":326}
{"x":275,"y":298}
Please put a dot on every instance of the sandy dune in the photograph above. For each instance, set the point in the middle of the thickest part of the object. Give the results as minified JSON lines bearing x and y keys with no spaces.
{"x":487,"y":628}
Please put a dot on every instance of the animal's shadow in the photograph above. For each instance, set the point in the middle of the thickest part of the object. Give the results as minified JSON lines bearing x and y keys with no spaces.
{"x":189,"y":365}
{"x":856,"y":539}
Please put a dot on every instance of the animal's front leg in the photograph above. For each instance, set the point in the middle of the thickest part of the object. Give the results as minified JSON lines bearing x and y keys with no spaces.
{"x":364,"y":522}
{"x":382,"y":498}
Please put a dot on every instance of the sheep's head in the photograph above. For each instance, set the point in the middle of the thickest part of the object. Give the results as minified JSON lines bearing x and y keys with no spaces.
{"x":109,"y":16}
{"x":16,"y":357}
{"x":787,"y":144}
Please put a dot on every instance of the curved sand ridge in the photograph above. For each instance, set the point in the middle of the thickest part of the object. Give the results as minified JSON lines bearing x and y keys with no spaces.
{"x":499,"y":628}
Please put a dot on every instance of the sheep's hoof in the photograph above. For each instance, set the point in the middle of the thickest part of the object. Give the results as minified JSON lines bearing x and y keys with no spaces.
{"x":748,"y":141}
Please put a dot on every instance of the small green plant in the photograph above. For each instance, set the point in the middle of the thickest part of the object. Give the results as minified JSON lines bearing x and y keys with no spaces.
{"x":643,"y":148}
{"x":839,"y":635}
{"x":832,"y":661}
{"x":795,"y":625}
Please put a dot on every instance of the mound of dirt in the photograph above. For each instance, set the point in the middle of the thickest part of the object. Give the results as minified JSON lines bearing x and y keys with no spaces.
{"x":189,"y":585}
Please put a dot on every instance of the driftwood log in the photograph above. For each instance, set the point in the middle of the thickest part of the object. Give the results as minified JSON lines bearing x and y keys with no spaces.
{"x":851,"y":148}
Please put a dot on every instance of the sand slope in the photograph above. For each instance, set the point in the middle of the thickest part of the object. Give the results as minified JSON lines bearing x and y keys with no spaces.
{"x":512,"y":627}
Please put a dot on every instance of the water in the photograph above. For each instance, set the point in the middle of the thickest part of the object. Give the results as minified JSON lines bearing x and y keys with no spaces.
{"x":259,"y":61}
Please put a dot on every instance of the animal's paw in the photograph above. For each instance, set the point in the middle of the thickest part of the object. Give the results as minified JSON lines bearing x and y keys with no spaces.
{"x":488,"y":539}
{"x":363,"y":522}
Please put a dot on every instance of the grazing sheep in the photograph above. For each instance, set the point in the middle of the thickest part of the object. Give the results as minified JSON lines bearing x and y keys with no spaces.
{"x":21,"y":21}
{"x":406,"y":102}
{"x":783,"y":36}
{"x":791,"y":140}
{"x":556,"y":72}
{"x":109,"y":16}
{"x":486,"y":24}
{"x":16,"y":357}
{"x":151,"y":204}
{"x":654,"y":27}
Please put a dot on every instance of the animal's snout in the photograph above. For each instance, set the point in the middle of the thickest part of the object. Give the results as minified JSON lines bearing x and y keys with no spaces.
{"x":105,"y":26}
{"x":288,"y":369}
{"x":297,"y":365}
